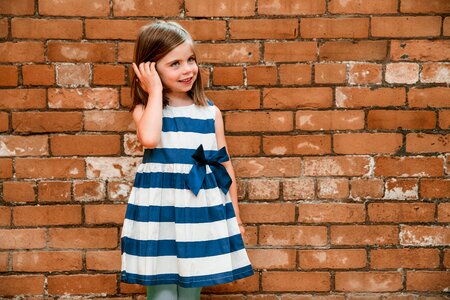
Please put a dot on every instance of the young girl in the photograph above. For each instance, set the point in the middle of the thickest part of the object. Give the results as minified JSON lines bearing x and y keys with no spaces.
{"x":182,"y":229}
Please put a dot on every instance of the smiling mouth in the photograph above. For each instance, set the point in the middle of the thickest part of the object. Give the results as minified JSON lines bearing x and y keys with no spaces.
{"x":187,"y":80}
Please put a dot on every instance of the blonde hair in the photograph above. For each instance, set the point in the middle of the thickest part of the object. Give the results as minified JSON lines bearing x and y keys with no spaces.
{"x":154,"y":41}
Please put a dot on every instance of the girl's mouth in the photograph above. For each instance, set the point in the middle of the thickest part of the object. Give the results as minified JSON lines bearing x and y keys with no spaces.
{"x":186,"y":81}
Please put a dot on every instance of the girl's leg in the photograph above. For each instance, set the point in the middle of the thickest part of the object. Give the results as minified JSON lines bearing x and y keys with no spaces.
{"x":162,"y":292}
{"x":189,"y":293}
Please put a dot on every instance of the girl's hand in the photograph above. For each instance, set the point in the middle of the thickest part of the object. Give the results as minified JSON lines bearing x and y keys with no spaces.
{"x":148,"y":77}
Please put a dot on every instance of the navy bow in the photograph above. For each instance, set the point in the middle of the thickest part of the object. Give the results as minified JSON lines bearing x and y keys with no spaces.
{"x":198,"y":172}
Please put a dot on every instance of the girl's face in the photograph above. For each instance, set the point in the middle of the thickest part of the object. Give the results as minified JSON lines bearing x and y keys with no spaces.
{"x":178,"y":70}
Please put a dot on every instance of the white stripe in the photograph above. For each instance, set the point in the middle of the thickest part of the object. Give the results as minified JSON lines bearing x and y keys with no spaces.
{"x":177,"y":197}
{"x":185,"y":267}
{"x":167,"y":168}
{"x":186,"y":232}
{"x":194,"y":112}
{"x":187,"y":140}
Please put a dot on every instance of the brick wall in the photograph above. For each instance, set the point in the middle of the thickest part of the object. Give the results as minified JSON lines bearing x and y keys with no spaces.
{"x":337,"y":117}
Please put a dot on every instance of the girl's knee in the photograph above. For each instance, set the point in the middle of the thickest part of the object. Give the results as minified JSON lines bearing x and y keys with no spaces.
{"x":162,"y":292}
{"x":189,"y":293}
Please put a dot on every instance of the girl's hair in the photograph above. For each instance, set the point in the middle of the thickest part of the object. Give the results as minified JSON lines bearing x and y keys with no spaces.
{"x":154,"y":41}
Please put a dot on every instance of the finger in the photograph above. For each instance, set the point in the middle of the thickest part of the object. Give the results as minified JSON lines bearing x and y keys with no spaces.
{"x":147,"y":67}
{"x":136,"y":71}
{"x":153,"y":67}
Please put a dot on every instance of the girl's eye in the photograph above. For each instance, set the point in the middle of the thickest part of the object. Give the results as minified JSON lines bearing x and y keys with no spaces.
{"x":191,"y":59}
{"x":175,"y":64}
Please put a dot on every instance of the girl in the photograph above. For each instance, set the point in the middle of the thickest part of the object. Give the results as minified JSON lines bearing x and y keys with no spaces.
{"x":182,"y":229}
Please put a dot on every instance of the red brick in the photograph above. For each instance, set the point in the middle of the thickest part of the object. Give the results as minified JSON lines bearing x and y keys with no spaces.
{"x":427,"y":281}
{"x":334,"y":28}
{"x":362,"y":73}
{"x":290,"y":51}
{"x":447,"y":258}
{"x":104,"y":214}
{"x":132,"y":146}
{"x":330,"y":73}
{"x":232,"y":99}
{"x":22,"y":238}
{"x":247,"y":285}
{"x":5,"y":168}
{"x":366,"y":97}
{"x":126,"y":288}
{"x":401,"y":189}
{"x":444,"y":212}
{"x":424,"y":235}
{"x":298,"y":144}
{"x":46,"y":28}
{"x":119,"y":190}
{"x":366,"y":188}
{"x":426,"y":143}
{"x":4,"y":121}
{"x":329,"y":120}
{"x":411,"y":26}
{"x":5,"y":218}
{"x":261,"y":75}
{"x":404,"y":258}
{"x":336,"y":166}
{"x":295,"y":281}
{"x":250,"y":236}
{"x":402,"y":73}
{"x":73,"y":75}
{"x":13,"y":145}
{"x":113,"y":29}
{"x":367,"y":143}
{"x":82,"y":284}
{"x":345,"y":50}
{"x":204,"y":29}
{"x":228,"y":53}
{"x":267,"y":212}
{"x":332,"y":259}
{"x":298,"y":188}
{"x":272,"y":258}
{"x":74,"y":8}
{"x":109,"y":75}
{"x":243,"y":145}
{"x":297,"y":74}
{"x":103,"y":260}
{"x":22,"y":98}
{"x":447,"y":26}
{"x":401,"y":212}
{"x":417,"y":6}
{"x":281,"y":98}
{"x":47,"y":215}
{"x":50,"y":168}
{"x":228,"y":76}
{"x":332,"y":188}
{"x":267,"y":167}
{"x":108,"y":120}
{"x":46,"y":121}
{"x":292,"y":235}
{"x":368,"y":281}
{"x":46,"y":261}
{"x":38,"y":74}
{"x":13,"y":285}
{"x":82,"y":238}
{"x":4,"y":261}
{"x":420,"y":50}
{"x":434,"y":188}
{"x":88,"y":190}
{"x":54,"y":191}
{"x":364,"y":235}
{"x":291,"y":7}
{"x":263,"y":189}
{"x":408,"y":166}
{"x":20,"y":52}
{"x":219,"y":8}
{"x":331,"y":213}
{"x":80,"y":52}
{"x":258,"y":121}
{"x":263,"y":29}
{"x":429,"y":97}
{"x":8,"y":76}
{"x":21,"y":7}
{"x":4,"y":30}
{"x":19,"y":191}
{"x":123,"y":168}
{"x":435,"y":73}
{"x":126,"y":51}
{"x":394,"y":119}
{"x":362,"y":7}
{"x":85,"y":145}
{"x":85,"y":98}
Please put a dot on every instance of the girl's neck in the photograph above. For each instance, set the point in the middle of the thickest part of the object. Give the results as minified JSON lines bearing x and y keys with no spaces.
{"x":179,"y":99}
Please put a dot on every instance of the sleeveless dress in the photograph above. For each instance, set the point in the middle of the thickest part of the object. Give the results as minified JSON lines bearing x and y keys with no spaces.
{"x":174,"y":232}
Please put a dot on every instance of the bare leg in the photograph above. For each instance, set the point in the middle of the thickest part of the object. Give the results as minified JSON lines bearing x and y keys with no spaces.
{"x":162,"y":292}
{"x":189,"y":293}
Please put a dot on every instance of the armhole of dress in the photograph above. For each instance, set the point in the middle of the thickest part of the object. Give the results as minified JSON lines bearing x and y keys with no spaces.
{"x":213,"y":109}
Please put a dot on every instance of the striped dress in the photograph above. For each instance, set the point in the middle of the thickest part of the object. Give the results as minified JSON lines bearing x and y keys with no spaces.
{"x":172,"y":232}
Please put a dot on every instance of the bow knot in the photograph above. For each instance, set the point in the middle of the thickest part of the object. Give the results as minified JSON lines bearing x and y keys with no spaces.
{"x":198,"y":172}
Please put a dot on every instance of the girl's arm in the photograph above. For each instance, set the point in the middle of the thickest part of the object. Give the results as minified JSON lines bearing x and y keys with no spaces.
{"x":221,"y":142}
{"x":148,"y":120}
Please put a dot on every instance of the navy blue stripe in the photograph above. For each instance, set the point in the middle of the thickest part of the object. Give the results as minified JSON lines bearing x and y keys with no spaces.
{"x":182,"y":249}
{"x":187,"y":282}
{"x":169,"y":180}
{"x":186,"y":124}
{"x":180,"y":215}
{"x":172,"y":155}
